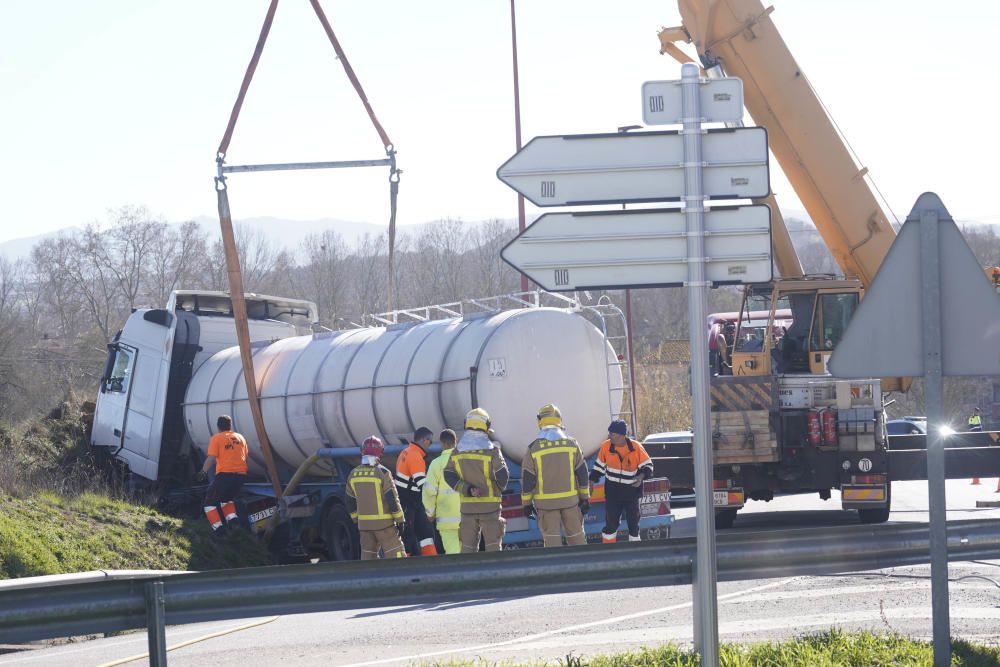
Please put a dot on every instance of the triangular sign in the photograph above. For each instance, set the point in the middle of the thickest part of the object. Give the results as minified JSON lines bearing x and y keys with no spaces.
{"x":885,"y":337}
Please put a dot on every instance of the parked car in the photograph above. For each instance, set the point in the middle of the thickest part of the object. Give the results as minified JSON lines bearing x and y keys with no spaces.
{"x":671,"y":443}
{"x":907,"y":426}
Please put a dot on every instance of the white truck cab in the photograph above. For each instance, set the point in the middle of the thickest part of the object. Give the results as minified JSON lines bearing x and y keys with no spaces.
{"x":152,"y":358}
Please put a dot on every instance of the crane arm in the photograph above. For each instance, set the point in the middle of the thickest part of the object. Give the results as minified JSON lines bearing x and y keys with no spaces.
{"x":739,"y":36}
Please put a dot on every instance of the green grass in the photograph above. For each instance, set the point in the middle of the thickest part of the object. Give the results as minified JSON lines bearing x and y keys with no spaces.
{"x":46,"y":533}
{"x":826,"y":649}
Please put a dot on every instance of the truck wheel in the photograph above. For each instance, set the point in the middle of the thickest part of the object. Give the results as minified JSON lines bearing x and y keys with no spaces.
{"x":340,"y":535}
{"x":878,"y":514}
{"x":724,"y":518}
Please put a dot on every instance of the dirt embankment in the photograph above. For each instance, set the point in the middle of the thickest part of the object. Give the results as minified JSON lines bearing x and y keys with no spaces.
{"x":63,"y":510}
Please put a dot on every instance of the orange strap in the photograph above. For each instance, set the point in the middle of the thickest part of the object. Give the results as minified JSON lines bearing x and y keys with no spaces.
{"x":252,"y":67}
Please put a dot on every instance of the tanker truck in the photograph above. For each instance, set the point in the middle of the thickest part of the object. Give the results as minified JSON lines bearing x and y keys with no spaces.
{"x":171,"y":372}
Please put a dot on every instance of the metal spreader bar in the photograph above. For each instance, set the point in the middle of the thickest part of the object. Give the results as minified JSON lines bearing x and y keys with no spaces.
{"x":292,"y":166}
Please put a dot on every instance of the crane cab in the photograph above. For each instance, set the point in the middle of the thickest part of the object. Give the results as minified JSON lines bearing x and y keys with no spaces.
{"x":806,"y":318}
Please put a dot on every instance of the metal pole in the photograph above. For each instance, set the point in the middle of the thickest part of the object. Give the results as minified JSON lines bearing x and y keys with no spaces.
{"x":706,"y":614}
{"x":155,"y":630}
{"x":933,"y":393}
{"x":631,"y":359}
{"x":517,"y":128}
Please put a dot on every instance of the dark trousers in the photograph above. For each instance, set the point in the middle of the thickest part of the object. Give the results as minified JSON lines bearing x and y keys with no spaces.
{"x":418,"y":527}
{"x":613,"y":509}
{"x":225,"y":486}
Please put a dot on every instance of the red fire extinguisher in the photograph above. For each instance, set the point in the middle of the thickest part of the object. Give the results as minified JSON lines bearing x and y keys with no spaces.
{"x":813,"y":427}
{"x":830,"y":427}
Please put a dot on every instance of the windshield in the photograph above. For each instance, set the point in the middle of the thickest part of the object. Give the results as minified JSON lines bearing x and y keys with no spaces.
{"x":833,"y":313}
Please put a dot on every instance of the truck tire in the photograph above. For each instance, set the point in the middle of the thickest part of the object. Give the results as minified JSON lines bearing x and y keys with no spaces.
{"x":878,"y":514}
{"x":340,"y":535}
{"x":724,"y":518}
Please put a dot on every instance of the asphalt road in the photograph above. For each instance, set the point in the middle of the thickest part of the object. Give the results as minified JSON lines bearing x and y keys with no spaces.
{"x":554,"y":626}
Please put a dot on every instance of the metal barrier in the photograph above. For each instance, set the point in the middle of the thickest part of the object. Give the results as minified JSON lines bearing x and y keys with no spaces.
{"x":61,"y":609}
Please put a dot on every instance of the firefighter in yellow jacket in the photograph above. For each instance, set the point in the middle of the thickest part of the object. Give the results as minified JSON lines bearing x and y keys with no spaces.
{"x":374,"y":504}
{"x":478,"y":472}
{"x":554,"y":482}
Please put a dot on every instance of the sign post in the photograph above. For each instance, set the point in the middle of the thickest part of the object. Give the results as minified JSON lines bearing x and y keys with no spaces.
{"x":930,"y":279}
{"x":705,"y":608}
{"x":688,"y":246}
{"x":950,"y":317}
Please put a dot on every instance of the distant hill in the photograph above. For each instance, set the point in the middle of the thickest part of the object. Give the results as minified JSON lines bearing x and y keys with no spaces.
{"x":290,"y":234}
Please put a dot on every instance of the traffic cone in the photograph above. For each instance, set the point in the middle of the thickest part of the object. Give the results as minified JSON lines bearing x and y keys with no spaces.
{"x":975,"y":481}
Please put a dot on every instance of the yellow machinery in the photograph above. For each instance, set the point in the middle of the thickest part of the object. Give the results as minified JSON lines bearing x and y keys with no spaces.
{"x":738,"y":38}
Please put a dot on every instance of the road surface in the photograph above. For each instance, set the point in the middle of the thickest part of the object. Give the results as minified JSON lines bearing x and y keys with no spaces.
{"x":554,"y":626}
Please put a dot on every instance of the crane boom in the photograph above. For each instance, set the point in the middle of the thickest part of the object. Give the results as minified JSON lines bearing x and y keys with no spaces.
{"x":739,"y":36}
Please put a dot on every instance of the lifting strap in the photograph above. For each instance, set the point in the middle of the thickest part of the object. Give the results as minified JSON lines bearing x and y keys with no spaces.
{"x":236,"y":289}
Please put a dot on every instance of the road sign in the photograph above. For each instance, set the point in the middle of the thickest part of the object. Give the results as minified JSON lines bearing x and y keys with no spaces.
{"x":920,"y":319}
{"x":721,"y":101}
{"x":637,"y":167}
{"x":640,"y":248}
{"x":886,"y":335}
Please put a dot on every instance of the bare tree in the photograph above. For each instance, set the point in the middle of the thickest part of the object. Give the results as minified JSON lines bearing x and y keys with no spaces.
{"x":325,"y":275}
{"x":177,"y":262}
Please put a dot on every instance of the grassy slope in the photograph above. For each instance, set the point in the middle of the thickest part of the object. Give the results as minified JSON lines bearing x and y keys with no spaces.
{"x":48,"y":534}
{"x":827,"y":649}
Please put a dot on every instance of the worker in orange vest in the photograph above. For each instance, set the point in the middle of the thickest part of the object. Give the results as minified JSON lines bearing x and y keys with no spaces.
{"x":411,"y":473}
{"x":624,"y":464}
{"x":374,"y":504}
{"x":227,"y":453}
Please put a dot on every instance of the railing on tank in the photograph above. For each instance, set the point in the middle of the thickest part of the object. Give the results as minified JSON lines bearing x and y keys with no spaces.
{"x":607,"y":317}
{"x":490,"y":304}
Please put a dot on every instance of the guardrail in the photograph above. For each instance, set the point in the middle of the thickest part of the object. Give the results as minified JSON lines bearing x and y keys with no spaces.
{"x":63,"y":609}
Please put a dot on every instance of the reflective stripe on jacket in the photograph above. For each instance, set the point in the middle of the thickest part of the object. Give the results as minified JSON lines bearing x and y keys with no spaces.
{"x":621,"y":465}
{"x":975,"y":420}
{"x":484,"y":469}
{"x":372,"y":499}
{"x":411,"y":471}
{"x":554,"y":474}
{"x":440,"y":500}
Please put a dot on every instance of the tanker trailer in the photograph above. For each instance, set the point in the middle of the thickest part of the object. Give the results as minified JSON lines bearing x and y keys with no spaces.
{"x":330,"y":390}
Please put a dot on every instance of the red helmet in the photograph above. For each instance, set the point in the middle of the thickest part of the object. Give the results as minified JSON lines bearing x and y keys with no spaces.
{"x":372,"y":446}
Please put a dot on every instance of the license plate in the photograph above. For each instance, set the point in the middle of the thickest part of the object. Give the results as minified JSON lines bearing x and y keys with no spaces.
{"x":721,"y":498}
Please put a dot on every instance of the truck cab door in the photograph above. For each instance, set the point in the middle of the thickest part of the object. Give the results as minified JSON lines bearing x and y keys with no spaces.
{"x":112,"y":402}
{"x":833,"y":312}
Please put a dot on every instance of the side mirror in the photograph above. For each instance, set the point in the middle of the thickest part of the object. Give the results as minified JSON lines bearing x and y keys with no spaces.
{"x":159,"y":316}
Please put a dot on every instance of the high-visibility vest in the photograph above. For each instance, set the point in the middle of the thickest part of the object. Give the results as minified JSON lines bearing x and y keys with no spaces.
{"x":554,"y":474}
{"x":372,"y":498}
{"x":440,"y":500}
{"x":975,"y":420}
{"x":482,"y":468}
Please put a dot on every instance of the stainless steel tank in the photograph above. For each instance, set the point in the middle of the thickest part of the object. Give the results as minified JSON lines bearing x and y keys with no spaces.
{"x":334,"y":389}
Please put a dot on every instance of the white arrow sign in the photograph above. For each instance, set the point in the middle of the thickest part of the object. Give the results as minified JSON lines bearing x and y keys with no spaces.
{"x":721,"y":101}
{"x":643,"y":248}
{"x":636,"y":167}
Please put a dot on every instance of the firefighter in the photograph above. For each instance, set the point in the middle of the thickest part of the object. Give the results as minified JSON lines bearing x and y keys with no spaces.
{"x":411,"y":473}
{"x":478,"y":472}
{"x":440,"y":500}
{"x":554,"y":481}
{"x":624,"y":464}
{"x":227,"y":452}
{"x":374,"y":504}
{"x":976,"y":420}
